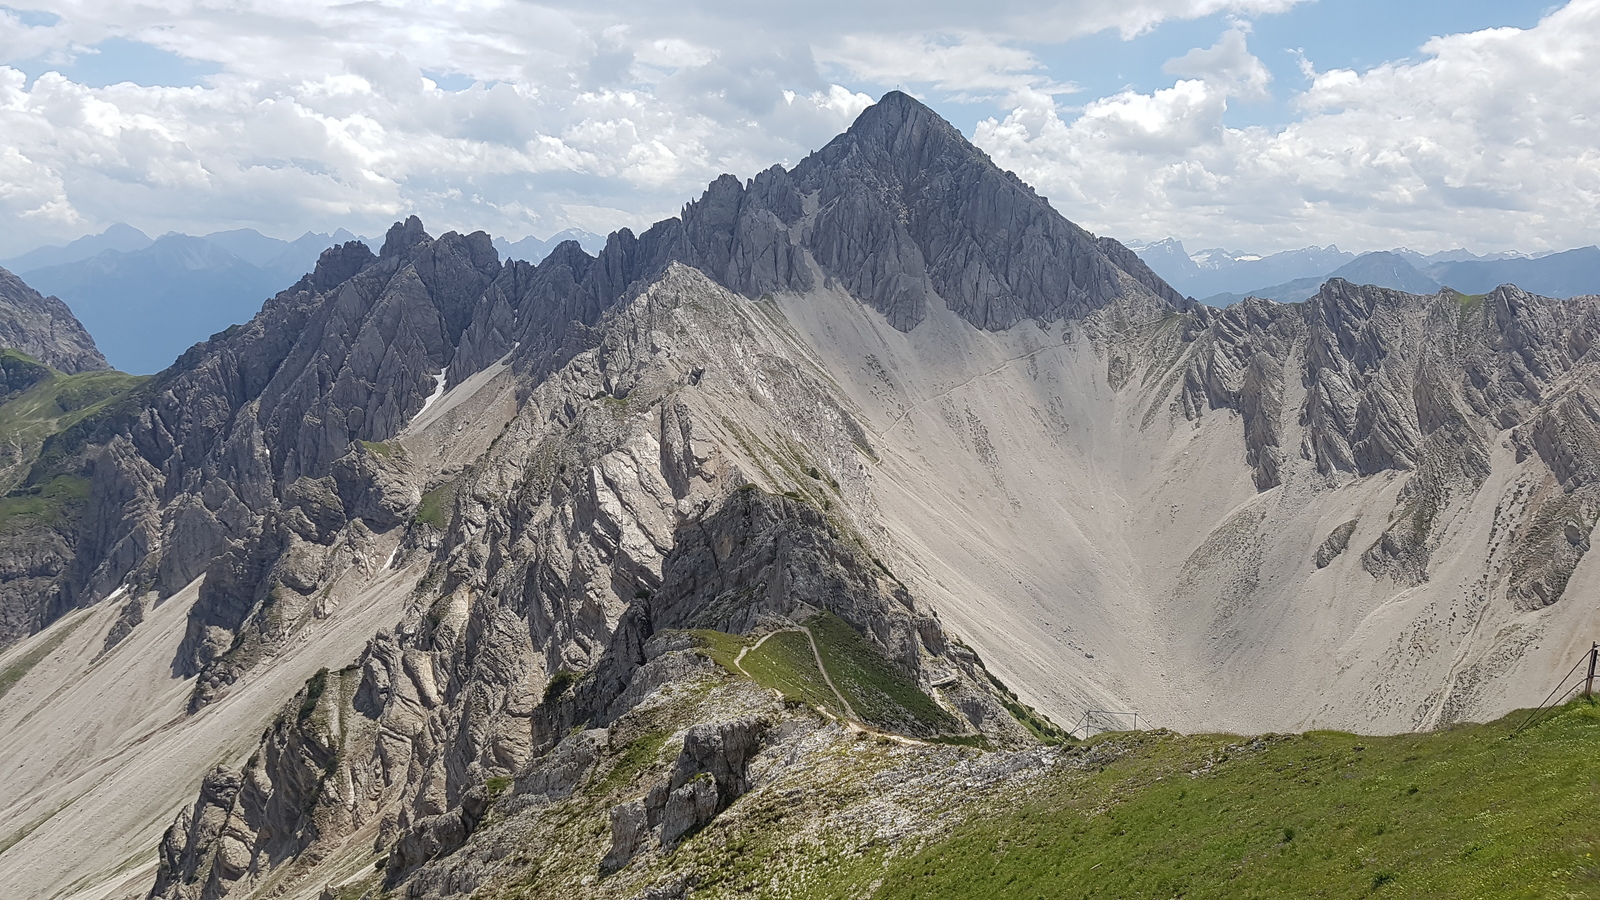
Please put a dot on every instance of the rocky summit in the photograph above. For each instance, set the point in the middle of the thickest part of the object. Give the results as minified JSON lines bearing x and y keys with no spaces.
{"x":796,"y":531}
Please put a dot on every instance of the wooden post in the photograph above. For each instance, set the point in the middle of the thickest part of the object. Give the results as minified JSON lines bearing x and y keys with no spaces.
{"x":1594,"y":657}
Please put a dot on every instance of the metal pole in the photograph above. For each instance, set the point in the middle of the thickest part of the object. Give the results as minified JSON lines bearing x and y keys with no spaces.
{"x":1594,"y":657}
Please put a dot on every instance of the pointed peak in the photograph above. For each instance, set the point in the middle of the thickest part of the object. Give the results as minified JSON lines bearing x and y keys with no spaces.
{"x":402,"y":236}
{"x":896,"y":113}
{"x":899,"y":103}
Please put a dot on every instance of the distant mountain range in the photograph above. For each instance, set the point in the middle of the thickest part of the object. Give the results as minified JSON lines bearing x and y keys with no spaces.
{"x":531,"y":249}
{"x":1220,"y":277}
{"x":146,"y":300}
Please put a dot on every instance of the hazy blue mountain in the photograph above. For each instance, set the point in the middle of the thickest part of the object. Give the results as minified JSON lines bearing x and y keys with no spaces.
{"x":1215,"y":271}
{"x":1168,"y":259}
{"x":1383,"y":268}
{"x":531,"y":249}
{"x":118,"y":237}
{"x":1423,"y":263}
{"x":249,"y":245}
{"x":1569,"y":274}
{"x":146,"y":307}
{"x":1224,"y":276}
{"x":150,"y":302}
{"x":298,"y":257}
{"x":1386,"y":269}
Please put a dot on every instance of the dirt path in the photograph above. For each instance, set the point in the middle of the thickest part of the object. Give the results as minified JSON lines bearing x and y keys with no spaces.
{"x":850,"y":719}
{"x":738,"y":661}
{"x":817,"y":655}
{"x":916,"y":405}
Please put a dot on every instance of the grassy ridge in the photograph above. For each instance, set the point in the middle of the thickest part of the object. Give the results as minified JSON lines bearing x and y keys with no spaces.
{"x":1464,"y":813}
{"x":53,"y":404}
{"x":882,"y":695}
{"x":878,"y":693}
{"x":785,"y":662}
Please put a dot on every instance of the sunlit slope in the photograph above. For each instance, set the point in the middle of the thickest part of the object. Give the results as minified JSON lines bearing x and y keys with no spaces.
{"x":1102,"y":549}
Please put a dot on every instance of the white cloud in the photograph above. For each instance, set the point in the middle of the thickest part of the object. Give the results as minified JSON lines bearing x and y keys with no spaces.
{"x":596,"y":116}
{"x":1227,"y":64}
{"x":580,"y":114}
{"x":1492,"y":140}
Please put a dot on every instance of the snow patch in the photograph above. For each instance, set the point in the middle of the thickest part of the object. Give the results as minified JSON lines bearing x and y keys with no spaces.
{"x":438,"y":391}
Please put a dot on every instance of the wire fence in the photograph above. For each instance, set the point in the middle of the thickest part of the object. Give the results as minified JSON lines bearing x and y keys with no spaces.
{"x":1099,"y":721}
{"x":1568,"y":686}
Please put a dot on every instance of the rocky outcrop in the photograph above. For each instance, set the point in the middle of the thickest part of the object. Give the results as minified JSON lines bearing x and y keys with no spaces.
{"x":18,"y":372}
{"x":1335,"y":543}
{"x":44,"y":329}
{"x":290,"y":792}
{"x":708,"y":776}
{"x":1420,"y":385}
{"x":903,"y":212}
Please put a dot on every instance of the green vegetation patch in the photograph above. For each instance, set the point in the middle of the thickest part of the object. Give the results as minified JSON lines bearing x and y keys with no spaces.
{"x":637,"y":757}
{"x":559,"y":683}
{"x":784,"y":662}
{"x":1465,"y":813}
{"x":721,"y":647}
{"x":46,"y":504}
{"x":315,"y":686}
{"x":50,"y":406}
{"x":1044,"y":730}
{"x":383,"y":449}
{"x":436,"y":506}
{"x":879,"y":692}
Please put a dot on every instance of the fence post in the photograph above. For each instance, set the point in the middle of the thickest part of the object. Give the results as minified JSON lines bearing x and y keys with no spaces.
{"x":1594,"y":657}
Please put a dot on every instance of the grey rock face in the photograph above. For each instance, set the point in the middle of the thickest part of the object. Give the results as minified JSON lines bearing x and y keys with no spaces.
{"x":687,"y":808}
{"x":708,"y":775}
{"x":18,"y":373}
{"x":601,"y":521}
{"x":902,"y":211}
{"x":276,"y":806}
{"x":1396,"y":382}
{"x":45,"y":329}
{"x":206,"y":459}
{"x":1335,"y":544}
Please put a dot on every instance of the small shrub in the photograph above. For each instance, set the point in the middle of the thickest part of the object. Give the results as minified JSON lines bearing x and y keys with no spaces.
{"x":315,"y":685}
{"x":435,"y":508}
{"x":559,"y":682}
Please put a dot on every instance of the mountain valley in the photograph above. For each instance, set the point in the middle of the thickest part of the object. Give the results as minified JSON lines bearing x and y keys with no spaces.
{"x":779,"y":549}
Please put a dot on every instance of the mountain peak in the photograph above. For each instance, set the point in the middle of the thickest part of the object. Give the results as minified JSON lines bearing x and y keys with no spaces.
{"x":903,"y":139}
{"x":894,"y":112}
{"x":402,"y":236}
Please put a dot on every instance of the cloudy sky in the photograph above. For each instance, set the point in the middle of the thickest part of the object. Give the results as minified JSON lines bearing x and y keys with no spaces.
{"x":1247,"y":124}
